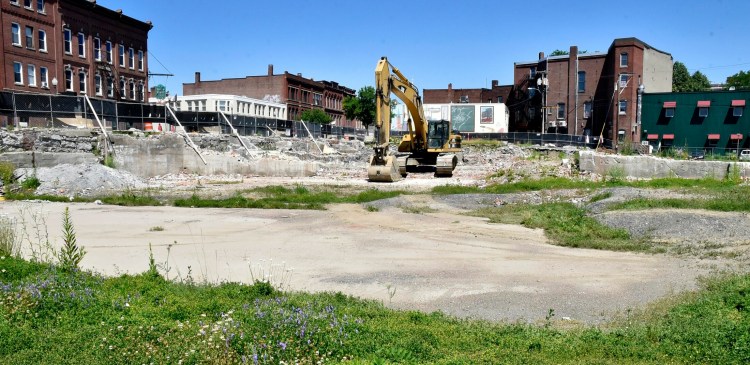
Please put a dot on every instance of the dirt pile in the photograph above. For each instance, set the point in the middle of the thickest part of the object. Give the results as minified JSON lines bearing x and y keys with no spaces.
{"x":81,"y":180}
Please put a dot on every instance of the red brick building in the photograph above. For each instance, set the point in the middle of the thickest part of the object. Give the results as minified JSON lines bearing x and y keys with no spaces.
{"x":497,"y":94}
{"x":297,"y":92}
{"x":590,"y":93}
{"x":73,"y":47}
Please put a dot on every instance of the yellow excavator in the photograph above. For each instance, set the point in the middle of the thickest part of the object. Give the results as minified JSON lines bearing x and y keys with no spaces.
{"x":426,"y":147}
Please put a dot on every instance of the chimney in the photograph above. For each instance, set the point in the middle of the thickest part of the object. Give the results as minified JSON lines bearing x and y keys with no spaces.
{"x":197,"y":77}
{"x":541,"y":55}
{"x":450,"y":86}
{"x":270,"y":69}
{"x":494,"y":84}
{"x":573,"y":52}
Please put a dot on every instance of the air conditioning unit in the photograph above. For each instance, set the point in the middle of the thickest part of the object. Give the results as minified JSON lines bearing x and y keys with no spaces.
{"x":44,"y":84}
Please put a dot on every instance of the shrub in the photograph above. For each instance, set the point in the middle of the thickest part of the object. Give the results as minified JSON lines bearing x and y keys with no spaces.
{"x":70,"y":255}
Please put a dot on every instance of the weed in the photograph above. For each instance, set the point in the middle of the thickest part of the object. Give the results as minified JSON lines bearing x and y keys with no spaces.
{"x":70,"y":254}
{"x":109,"y":161}
{"x":31,"y":183}
{"x":278,"y":276}
{"x":156,"y":229}
{"x":34,"y":235}
{"x":372,"y":208}
{"x":600,"y":196}
{"x":615,"y":174}
{"x":9,"y":244}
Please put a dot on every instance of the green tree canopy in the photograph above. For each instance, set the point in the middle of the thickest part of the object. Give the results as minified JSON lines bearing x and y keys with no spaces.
{"x":682,"y":81}
{"x":361,"y":107}
{"x":558,"y":52}
{"x":317,"y":116}
{"x":740,"y":80}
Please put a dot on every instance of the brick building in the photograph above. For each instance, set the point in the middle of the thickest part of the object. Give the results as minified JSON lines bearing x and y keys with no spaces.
{"x":73,"y":47}
{"x":297,"y":92}
{"x":590,"y":93}
{"x":497,"y":94}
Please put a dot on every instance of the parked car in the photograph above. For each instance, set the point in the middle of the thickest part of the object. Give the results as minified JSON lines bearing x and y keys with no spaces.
{"x":745,"y":155}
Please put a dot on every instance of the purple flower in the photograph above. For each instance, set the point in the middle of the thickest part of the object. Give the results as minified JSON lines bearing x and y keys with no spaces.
{"x":282,"y":345}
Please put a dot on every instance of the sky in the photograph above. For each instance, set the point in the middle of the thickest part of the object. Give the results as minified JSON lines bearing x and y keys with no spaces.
{"x":466,"y":43}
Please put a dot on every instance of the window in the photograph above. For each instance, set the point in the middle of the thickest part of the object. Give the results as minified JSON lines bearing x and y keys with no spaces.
{"x":31,"y":73}
{"x":499,"y":99}
{"x":97,"y":49}
{"x":40,"y":6}
{"x":669,"y":112}
{"x":121,"y":55}
{"x":131,"y":58}
{"x":18,"y":73}
{"x":292,"y":93}
{"x":624,"y":59}
{"x":110,"y":87}
{"x":587,"y":110}
{"x":29,"y":37}
{"x":560,"y":110}
{"x":624,"y":80}
{"x":317,"y":99}
{"x":581,"y":81}
{"x":122,"y":88}
{"x":14,"y":2}
{"x":737,"y":111}
{"x":42,"y":40}
{"x":81,"y":45}
{"x":98,"y":84}
{"x":108,"y":49}
{"x":27,"y":4}
{"x":69,"y":79}
{"x":623,"y":107}
{"x":532,"y":72}
{"x":43,"y":77}
{"x":140,"y":60}
{"x":703,"y":112}
{"x":15,"y":29}
{"x":67,"y":41}
{"x":532,"y":112}
{"x":222,"y":105}
{"x":141,"y":92}
{"x":82,"y":81}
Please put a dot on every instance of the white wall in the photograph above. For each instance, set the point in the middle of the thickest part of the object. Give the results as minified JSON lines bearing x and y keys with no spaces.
{"x":657,"y":71}
{"x":468,"y":117}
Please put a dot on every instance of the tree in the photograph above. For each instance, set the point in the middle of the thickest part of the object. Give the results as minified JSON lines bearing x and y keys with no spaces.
{"x":680,"y":77}
{"x":558,"y":52}
{"x":361,"y":107}
{"x":682,"y":81}
{"x":740,"y":80}
{"x":700,"y":82}
{"x":317,"y":116}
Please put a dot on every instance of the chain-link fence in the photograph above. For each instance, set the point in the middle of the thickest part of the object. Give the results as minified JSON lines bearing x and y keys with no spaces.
{"x":26,"y":110}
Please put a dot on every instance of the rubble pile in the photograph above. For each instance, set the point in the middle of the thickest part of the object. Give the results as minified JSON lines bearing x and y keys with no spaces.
{"x":81,"y":180}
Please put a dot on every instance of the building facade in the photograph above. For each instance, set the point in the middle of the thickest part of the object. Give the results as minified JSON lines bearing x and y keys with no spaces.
{"x":590,"y":93}
{"x":715,"y":121}
{"x":496,"y":94}
{"x":73,"y":47}
{"x":231,"y":105}
{"x":297,"y":92}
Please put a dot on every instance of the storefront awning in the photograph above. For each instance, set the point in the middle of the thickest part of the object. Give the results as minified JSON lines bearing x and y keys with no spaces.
{"x":652,"y":136}
{"x":670,"y":104}
{"x":736,"y":136}
{"x":667,"y":136}
{"x":740,"y":102}
{"x":714,"y":137}
{"x":704,"y":103}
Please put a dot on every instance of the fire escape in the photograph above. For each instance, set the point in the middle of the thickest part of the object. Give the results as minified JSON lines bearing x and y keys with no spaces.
{"x":110,"y":73}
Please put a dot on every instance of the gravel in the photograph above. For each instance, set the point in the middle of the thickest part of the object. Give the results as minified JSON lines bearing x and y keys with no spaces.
{"x":81,"y":180}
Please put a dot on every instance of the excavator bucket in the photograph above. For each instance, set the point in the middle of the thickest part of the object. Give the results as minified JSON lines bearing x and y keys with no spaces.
{"x":383,"y":172}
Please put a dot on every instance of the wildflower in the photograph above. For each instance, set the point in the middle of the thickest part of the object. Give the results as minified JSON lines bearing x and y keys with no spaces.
{"x":282,"y":345}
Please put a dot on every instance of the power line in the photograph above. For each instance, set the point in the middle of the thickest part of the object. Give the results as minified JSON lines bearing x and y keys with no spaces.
{"x":157,"y":60}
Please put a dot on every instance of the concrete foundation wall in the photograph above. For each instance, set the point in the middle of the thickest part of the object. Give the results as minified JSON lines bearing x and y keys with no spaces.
{"x":145,"y":156}
{"x":647,"y":167}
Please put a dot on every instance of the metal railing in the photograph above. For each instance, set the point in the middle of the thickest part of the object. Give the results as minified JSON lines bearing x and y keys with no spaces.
{"x":27,"y":110}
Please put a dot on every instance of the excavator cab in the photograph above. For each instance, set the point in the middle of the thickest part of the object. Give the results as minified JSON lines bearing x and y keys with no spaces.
{"x":438,"y":133}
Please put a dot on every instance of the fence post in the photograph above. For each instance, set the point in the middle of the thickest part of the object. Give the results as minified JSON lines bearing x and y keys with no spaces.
{"x":51,"y":114}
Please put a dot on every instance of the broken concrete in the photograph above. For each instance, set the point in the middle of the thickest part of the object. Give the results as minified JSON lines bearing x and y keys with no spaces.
{"x":648,"y":167}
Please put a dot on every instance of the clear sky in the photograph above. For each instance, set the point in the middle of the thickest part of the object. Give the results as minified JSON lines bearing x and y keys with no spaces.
{"x":467,"y":43}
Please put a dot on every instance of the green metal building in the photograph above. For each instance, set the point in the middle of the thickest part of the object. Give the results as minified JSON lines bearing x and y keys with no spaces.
{"x":713,"y":121}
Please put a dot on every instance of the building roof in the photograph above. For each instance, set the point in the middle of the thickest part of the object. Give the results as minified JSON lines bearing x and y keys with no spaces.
{"x":112,"y":14}
{"x":562,"y":57}
{"x":619,"y":41}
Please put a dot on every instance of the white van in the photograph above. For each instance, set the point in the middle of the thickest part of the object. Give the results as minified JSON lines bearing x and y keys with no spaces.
{"x":745,"y":155}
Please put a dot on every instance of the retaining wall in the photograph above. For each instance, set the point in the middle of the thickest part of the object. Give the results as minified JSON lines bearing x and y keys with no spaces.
{"x":647,"y":167}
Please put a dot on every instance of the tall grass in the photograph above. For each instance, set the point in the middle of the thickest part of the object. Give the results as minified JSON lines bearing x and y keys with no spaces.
{"x":49,"y":316}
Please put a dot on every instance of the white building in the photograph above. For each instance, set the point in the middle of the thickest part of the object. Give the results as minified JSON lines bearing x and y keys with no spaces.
{"x":471,"y":118}
{"x":230,"y":104}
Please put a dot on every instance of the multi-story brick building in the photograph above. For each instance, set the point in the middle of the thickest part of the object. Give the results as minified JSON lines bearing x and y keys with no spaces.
{"x":297,"y":92}
{"x":75,"y":47}
{"x":590,"y":93}
{"x":497,"y":94}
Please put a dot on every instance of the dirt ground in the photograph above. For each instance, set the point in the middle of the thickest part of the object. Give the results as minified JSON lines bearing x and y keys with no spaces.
{"x":442,"y":261}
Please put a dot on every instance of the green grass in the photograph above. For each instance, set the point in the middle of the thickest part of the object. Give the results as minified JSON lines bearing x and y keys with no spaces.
{"x":565,"y":225}
{"x":48,"y":316}
{"x":279,"y":197}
